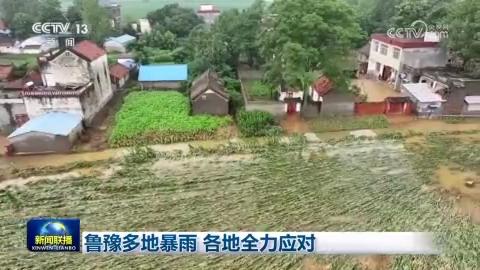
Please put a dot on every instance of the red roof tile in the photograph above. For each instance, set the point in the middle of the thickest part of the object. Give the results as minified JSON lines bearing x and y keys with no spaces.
{"x":89,"y":50}
{"x":14,"y":85}
{"x":404,"y":42}
{"x":5,"y":71}
{"x":118,"y":71}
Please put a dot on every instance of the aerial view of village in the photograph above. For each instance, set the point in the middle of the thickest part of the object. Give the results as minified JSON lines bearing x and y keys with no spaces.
{"x":241,"y":115}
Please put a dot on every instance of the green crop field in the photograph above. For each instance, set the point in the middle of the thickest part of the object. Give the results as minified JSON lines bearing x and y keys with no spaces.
{"x":161,"y":117}
{"x":367,"y":185}
{"x":135,"y":9}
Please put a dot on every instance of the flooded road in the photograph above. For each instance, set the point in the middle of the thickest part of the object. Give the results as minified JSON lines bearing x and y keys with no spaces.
{"x":294,"y":123}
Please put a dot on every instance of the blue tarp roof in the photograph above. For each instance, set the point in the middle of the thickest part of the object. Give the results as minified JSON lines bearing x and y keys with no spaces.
{"x":58,"y":123}
{"x":155,"y":73}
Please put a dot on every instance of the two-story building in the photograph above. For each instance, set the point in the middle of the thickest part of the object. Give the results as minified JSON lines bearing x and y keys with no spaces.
{"x":75,"y":80}
{"x":397,"y":60}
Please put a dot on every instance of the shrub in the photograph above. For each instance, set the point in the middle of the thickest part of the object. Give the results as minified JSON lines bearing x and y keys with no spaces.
{"x":236,"y":101}
{"x":256,"y":123}
{"x":232,"y":84}
{"x":259,"y":89}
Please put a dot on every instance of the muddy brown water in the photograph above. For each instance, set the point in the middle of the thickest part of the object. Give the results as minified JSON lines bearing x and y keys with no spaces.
{"x":467,"y":198}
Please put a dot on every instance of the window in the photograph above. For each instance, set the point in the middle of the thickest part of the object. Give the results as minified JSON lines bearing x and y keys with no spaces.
{"x":396,"y":53}
{"x":376,"y":45}
{"x":384,"y":49}
{"x":378,"y":67}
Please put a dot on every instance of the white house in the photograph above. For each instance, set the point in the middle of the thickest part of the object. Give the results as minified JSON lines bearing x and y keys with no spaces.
{"x":75,"y":80}
{"x":143,"y":26}
{"x":208,"y":13}
{"x":397,"y":60}
{"x":118,"y":44}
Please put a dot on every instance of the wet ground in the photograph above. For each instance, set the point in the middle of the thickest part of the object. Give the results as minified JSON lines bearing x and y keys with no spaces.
{"x":294,"y":123}
{"x":376,"y":91}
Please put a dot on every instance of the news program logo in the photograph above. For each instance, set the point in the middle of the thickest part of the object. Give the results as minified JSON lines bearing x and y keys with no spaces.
{"x":53,"y":235}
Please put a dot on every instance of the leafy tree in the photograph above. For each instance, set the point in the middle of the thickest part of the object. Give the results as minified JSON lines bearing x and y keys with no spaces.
{"x":10,"y":8}
{"x":301,"y":37}
{"x":97,"y":19}
{"x":22,"y":25}
{"x":464,"y":37}
{"x":431,"y":12}
{"x":74,"y":14}
{"x":175,"y":19}
{"x":249,"y":26}
{"x":50,"y":11}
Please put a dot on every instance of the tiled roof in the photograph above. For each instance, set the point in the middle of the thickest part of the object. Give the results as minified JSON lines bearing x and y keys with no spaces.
{"x":5,"y":71}
{"x":404,"y":42}
{"x":17,"y":85}
{"x":6,"y":41}
{"x":89,"y":50}
{"x":208,"y":80}
{"x":118,"y":71}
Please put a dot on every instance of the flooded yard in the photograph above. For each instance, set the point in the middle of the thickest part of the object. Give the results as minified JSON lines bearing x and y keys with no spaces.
{"x":376,"y":91}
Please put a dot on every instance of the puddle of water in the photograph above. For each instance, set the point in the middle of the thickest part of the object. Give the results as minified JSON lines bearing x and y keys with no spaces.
{"x":454,"y":180}
{"x":376,"y":91}
{"x":468,"y":198}
{"x":294,"y":124}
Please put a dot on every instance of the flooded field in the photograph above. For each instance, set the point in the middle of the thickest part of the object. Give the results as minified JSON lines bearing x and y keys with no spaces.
{"x":355,"y":185}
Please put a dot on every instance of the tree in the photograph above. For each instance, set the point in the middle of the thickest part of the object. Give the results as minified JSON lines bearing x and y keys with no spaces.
{"x":10,"y":8}
{"x":74,"y":14}
{"x":175,"y":19}
{"x":95,"y":16}
{"x":432,"y":12}
{"x":22,"y":25}
{"x":250,"y":26}
{"x":302,"y":37}
{"x":464,"y":29}
{"x":50,"y":11}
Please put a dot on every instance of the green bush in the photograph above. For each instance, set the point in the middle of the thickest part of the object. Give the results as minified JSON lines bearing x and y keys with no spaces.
{"x":236,"y":101}
{"x":260,"y":90}
{"x":232,"y":84}
{"x":256,"y":123}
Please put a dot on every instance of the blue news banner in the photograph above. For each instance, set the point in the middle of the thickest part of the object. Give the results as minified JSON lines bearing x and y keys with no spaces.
{"x":258,"y":242}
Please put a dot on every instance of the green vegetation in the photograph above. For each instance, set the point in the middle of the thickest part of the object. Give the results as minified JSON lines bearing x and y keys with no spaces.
{"x":259,"y":90}
{"x":278,"y":189}
{"x":19,"y":59}
{"x":339,"y":123}
{"x":161,"y":117}
{"x":257,"y":123}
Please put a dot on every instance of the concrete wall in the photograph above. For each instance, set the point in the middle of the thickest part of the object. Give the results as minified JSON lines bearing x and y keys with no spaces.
{"x":103,"y":91}
{"x":38,"y":142}
{"x":9,"y":108}
{"x":425,"y":57}
{"x":67,"y":68}
{"x":161,"y":85}
{"x":37,"y":106}
{"x":210,"y":103}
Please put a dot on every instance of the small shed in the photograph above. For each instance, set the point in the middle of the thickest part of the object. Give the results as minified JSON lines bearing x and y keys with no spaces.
{"x":118,"y":44}
{"x":426,"y":102}
{"x":168,"y":76}
{"x":50,"y":132}
{"x":119,"y":75}
{"x":208,"y":95}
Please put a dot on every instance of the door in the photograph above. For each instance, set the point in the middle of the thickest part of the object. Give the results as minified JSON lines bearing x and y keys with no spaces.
{"x":387,"y":72}
{"x":291,"y":107}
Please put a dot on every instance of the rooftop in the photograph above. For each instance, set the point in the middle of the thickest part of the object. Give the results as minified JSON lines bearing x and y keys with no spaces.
{"x":404,"y":42}
{"x":422,"y":92}
{"x":208,"y":80}
{"x":152,"y":73}
{"x":123,"y":39}
{"x":57,"y":123}
{"x":56,"y":91}
{"x":89,"y":50}
{"x":118,"y":71}
{"x":208,"y":9}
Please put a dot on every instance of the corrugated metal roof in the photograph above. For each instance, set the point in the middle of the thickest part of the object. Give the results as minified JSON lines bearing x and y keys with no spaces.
{"x":422,"y":92}
{"x":57,"y":123}
{"x":154,"y":73}
{"x":472,"y":99}
{"x":124,"y":39}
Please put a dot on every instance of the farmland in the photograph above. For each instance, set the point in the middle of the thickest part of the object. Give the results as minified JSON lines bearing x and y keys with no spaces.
{"x":365,"y":185}
{"x":135,"y":9}
{"x":161,"y":117}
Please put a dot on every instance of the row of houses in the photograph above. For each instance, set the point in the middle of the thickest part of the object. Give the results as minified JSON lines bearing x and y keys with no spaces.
{"x":423,"y":71}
